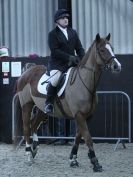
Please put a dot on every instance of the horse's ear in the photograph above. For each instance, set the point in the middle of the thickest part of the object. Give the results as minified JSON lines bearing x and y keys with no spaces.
{"x":108,"y":37}
{"x":98,"y":37}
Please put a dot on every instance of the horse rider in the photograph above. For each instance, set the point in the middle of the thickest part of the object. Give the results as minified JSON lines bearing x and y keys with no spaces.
{"x":63,"y":42}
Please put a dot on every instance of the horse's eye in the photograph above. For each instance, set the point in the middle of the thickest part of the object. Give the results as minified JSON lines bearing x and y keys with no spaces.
{"x":102,"y":50}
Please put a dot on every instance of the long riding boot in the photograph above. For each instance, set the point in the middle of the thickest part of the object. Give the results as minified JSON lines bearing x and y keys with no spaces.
{"x":49,"y":104}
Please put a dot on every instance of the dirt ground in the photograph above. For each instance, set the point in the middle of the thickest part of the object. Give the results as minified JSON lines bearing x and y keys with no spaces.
{"x":53,"y":161}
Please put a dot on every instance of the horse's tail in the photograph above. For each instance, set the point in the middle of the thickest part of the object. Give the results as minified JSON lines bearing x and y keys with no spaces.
{"x":17,"y":121}
{"x":15,"y":87}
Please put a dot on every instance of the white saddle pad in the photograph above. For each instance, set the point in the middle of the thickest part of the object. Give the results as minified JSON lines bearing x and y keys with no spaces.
{"x":43,"y":82}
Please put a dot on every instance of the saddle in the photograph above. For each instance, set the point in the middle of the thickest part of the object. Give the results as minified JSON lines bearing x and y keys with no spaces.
{"x":45,"y":79}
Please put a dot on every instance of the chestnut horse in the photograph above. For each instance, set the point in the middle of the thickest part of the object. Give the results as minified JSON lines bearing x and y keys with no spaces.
{"x":79,"y":99}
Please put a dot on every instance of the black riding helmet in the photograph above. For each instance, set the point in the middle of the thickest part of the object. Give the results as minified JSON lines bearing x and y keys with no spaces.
{"x":60,"y":14}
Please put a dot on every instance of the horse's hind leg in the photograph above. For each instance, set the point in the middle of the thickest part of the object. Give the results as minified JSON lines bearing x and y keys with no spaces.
{"x":82,"y":124}
{"x":37,"y":118}
{"x":74,"y":151}
{"x":26,"y":114}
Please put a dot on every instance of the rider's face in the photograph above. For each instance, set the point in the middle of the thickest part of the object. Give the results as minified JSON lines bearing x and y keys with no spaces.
{"x":63,"y":22}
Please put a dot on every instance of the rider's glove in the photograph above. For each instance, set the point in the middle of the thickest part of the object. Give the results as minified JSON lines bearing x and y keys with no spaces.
{"x":74,"y":60}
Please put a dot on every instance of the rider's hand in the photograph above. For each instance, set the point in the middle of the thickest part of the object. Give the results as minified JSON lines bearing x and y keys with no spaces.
{"x":74,"y":59}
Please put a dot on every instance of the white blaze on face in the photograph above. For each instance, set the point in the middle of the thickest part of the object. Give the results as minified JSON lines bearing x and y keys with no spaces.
{"x":113,"y":55}
{"x":35,"y":137}
{"x":109,"y":49}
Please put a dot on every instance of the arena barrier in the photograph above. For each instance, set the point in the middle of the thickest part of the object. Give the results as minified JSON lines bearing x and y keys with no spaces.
{"x":111,"y":120}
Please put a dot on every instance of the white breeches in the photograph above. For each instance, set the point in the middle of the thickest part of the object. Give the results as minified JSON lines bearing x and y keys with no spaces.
{"x":55,"y":75}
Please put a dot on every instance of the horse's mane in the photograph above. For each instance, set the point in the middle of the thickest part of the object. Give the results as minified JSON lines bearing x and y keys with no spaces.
{"x":86,"y":56}
{"x":27,"y":66}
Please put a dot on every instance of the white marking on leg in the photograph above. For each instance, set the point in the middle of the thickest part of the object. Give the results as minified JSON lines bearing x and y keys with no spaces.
{"x":35,"y":137}
{"x":28,"y":145}
{"x":28,"y":153}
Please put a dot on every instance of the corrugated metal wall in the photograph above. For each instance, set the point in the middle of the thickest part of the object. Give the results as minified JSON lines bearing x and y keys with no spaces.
{"x":24,"y":25}
{"x":90,"y":17}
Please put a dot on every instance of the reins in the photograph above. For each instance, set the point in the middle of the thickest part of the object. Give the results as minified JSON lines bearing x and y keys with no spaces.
{"x":95,"y":85}
{"x":73,"y":77}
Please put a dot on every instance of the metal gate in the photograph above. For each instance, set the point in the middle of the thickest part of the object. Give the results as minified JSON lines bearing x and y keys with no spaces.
{"x":111,"y":121}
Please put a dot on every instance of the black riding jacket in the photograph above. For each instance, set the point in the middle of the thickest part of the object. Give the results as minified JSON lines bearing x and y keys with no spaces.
{"x":61,"y":48}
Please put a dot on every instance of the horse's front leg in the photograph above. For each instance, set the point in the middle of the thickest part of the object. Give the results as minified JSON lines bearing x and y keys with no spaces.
{"x":74,"y":151}
{"x":82,"y":124}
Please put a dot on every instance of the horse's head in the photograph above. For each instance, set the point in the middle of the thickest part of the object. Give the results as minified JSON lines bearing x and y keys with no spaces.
{"x":105,"y":54}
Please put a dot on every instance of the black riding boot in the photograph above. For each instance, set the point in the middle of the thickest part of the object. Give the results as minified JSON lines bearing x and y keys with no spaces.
{"x":49,"y":104}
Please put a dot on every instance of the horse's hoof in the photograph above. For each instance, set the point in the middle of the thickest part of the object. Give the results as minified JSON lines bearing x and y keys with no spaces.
{"x":29,"y":157}
{"x":97,"y":168}
{"x":34,"y":152}
{"x":28,"y":153}
{"x":74,"y":163}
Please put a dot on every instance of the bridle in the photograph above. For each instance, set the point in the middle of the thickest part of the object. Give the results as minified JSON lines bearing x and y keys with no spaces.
{"x":105,"y":61}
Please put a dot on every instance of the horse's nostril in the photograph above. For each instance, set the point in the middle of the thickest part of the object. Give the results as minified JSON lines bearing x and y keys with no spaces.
{"x":115,"y":67}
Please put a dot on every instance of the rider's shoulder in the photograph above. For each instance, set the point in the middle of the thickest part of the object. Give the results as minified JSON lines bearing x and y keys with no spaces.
{"x":53,"y":31}
{"x":72,"y":29}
